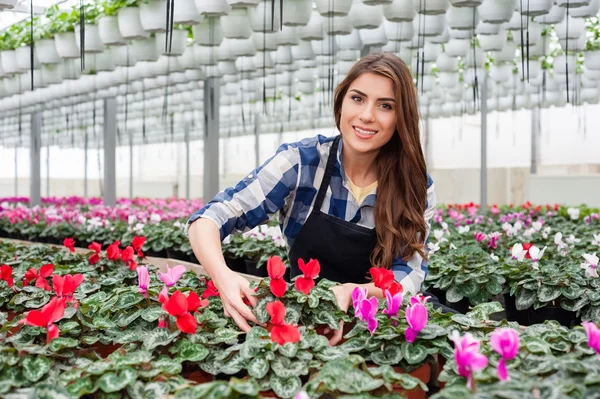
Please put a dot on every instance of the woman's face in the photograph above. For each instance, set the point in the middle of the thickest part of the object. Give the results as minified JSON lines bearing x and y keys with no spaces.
{"x":368,"y":117}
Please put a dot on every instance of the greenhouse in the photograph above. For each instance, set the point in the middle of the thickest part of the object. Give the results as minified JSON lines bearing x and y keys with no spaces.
{"x":299,"y":199}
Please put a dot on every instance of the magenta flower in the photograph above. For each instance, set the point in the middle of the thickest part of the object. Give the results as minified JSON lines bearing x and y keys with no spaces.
{"x":416,"y":316}
{"x":505,"y":341}
{"x":172,"y":275}
{"x":358,"y":294}
{"x":367,"y":310}
{"x":493,"y":242}
{"x":393,"y":303}
{"x":467,"y":356}
{"x":479,"y":236}
{"x":143,"y":280}
{"x":593,"y":335}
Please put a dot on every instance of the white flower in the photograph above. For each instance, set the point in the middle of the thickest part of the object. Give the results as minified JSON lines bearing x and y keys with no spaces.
{"x":518,"y":225}
{"x":518,"y":253}
{"x":596,"y":240}
{"x":506,"y":226}
{"x":155,"y":218}
{"x":574,"y":213}
{"x":558,"y":241}
{"x":178,"y":224}
{"x":279,"y":241}
{"x":445,"y":226}
{"x":139,"y":227}
{"x":536,"y":254}
{"x":227,"y":240}
{"x":537,"y":225}
{"x":131,"y":219}
{"x":463,"y":229}
{"x":433,"y":247}
{"x":494,"y":257}
{"x":572,"y":240}
{"x":452,"y":246}
{"x":528,"y":232}
{"x":439,"y":235}
{"x":546,"y":232}
{"x":590,"y":265}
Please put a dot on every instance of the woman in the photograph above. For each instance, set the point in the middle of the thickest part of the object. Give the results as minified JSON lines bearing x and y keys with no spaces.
{"x":359,"y":199}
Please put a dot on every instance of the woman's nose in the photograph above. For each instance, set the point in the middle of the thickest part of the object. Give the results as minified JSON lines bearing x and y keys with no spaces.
{"x":367,"y":115}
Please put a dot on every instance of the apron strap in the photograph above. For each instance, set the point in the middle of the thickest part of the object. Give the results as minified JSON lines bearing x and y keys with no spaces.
{"x":328,"y":172}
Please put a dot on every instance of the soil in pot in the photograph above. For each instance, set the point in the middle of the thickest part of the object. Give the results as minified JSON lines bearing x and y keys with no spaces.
{"x":236,"y":264}
{"x":531,"y":316}
{"x":252,"y":270}
{"x":423,"y":373}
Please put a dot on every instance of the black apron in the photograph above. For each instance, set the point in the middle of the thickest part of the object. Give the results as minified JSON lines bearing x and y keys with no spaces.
{"x":343,"y":248}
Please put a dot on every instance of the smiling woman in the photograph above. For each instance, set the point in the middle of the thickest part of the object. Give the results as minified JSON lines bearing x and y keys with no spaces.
{"x":353,"y":201}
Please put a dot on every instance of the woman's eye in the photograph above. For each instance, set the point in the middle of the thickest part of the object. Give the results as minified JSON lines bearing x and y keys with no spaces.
{"x":356,"y":98}
{"x":387,"y":106}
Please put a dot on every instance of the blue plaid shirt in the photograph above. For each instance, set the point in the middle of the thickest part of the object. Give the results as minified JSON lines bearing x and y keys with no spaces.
{"x":288,"y":182}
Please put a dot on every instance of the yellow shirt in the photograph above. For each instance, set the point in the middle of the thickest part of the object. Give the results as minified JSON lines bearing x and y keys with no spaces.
{"x":360,"y":193}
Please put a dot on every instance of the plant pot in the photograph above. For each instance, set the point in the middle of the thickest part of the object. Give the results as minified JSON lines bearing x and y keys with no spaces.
{"x":432,"y":7}
{"x":92,"y":42}
{"x":586,"y":11}
{"x":338,"y":8}
{"x":573,"y":3}
{"x":108,"y":30}
{"x":8,"y":59}
{"x":462,"y":18}
{"x":208,"y":32}
{"x":252,"y":270}
{"x":363,"y":16}
{"x":496,"y":12}
{"x":186,"y":13}
{"x":555,"y":15}
{"x":130,"y":25}
{"x":45,"y":51}
{"x":52,"y":73}
{"x":236,"y":264}
{"x":297,"y":12}
{"x":534,"y":8}
{"x":198,"y":376}
{"x":153,"y":15}
{"x":66,"y":45}
{"x":423,"y":373}
{"x":145,"y":49}
{"x":532,"y":316}
{"x":178,"y":43}
{"x":23,"y":56}
{"x":7,"y":4}
{"x":236,"y":24}
{"x":575,"y":31}
{"x":592,"y":60}
{"x":399,"y":11}
{"x":212,"y":8}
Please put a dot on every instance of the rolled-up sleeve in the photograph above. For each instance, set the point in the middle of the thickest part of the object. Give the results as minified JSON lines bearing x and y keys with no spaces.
{"x":261,"y":193}
{"x":412,"y":273}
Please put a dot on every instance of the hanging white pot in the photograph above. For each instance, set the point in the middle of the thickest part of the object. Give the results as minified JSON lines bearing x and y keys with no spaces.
{"x":492,"y":42}
{"x":297,"y":12}
{"x":349,"y":55}
{"x":431,"y":7}
{"x":206,"y":55}
{"x":23,"y":57}
{"x":329,"y":8}
{"x":72,"y":68}
{"x":578,"y":44}
{"x":186,"y":13}
{"x":287,"y":36}
{"x":236,"y":24}
{"x":553,"y":17}
{"x":573,"y":3}
{"x":363,"y":16}
{"x":108,"y":29}
{"x":496,"y":11}
{"x":313,"y":29}
{"x":213,"y":8}
{"x":534,"y":8}
{"x":153,"y":15}
{"x":462,"y":17}
{"x":122,"y":55}
{"x":7,"y":4}
{"x":400,"y":11}
{"x":9,"y":63}
{"x":466,"y":3}
{"x":66,"y":45}
{"x":93,"y":43}
{"x":242,"y":47}
{"x":431,"y":51}
{"x":590,"y":95}
{"x":535,"y":35}
{"x":517,"y":22}
{"x":52,"y":73}
{"x":178,"y":42}
{"x":576,"y":28}
{"x":145,"y":49}
{"x":592,"y":59}
{"x":208,"y":32}
{"x":588,"y":11}
{"x":228,"y":68}
{"x":187,"y":60}
{"x":593,"y":74}
{"x":501,"y":73}
{"x":101,"y":61}
{"x":563,"y":63}
{"x":457,"y":48}
{"x":303,"y":51}
{"x":45,"y":50}
{"x":399,"y":31}
{"x":446,"y":63}
{"x":441,"y":39}
{"x":373,"y":37}
{"x":130,"y":25}
{"x":335,"y":26}
{"x":589,"y":83}
{"x":533,"y":67}
{"x":448,"y":79}
{"x":486,"y":28}
{"x":507,"y":54}
{"x":432,"y":25}
{"x":265,"y":41}
{"x":460,"y":33}
{"x":475,"y":57}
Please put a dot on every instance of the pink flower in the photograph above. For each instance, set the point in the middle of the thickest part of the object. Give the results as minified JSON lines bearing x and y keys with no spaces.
{"x":593,"y":335}
{"x":172,"y":275}
{"x":505,"y":341}
{"x":366,"y":311}
{"x":479,"y":236}
{"x":416,"y":316}
{"x":467,"y":356}
{"x":143,"y":280}
{"x":358,"y":294}
{"x":393,"y":303}
{"x":493,"y":242}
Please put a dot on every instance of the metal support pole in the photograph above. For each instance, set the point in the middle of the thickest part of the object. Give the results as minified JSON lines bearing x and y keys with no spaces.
{"x":16,"y":171}
{"x":130,"y":164}
{"x":257,"y":139}
{"x":535,"y":134}
{"x":110,"y":149}
{"x":211,"y":138}
{"x":187,"y":160}
{"x":427,"y":142}
{"x":34,"y":154}
{"x":483,"y":171}
{"x":85,"y":165}
{"x":48,"y":170}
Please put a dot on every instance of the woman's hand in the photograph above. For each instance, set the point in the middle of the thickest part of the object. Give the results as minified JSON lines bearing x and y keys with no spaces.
{"x":343,"y":295}
{"x":232,"y":288}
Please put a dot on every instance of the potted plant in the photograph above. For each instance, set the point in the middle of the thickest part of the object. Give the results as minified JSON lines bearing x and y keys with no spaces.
{"x":108,"y":24}
{"x":128,"y":15}
{"x":93,"y":42}
{"x":592,"y":48}
{"x":62,"y":27}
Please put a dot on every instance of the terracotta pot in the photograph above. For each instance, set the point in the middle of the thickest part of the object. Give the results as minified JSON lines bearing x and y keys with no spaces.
{"x":11,"y":315}
{"x":423,"y":373}
{"x":269,"y":394}
{"x":199,"y":377}
{"x":105,"y":350}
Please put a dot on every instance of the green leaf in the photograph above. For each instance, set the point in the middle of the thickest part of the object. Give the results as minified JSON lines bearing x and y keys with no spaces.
{"x":59,"y":343}
{"x":103,"y":323}
{"x":35,"y":367}
{"x":159,"y":337}
{"x":432,"y":331}
{"x":128,"y":299}
{"x":470,"y":289}
{"x":50,"y":391}
{"x":391,"y":355}
{"x":454,"y":294}
{"x":548,"y":293}
{"x":168,"y":365}
{"x":285,"y":367}
{"x":258,"y":367}
{"x":525,"y":299}
{"x":152,"y":390}
{"x":537,"y":345}
{"x":245,"y":387}
{"x":484,"y":310}
{"x":465,"y":320}
{"x":494,"y":287}
{"x":226,"y":335}
{"x":152,"y":314}
{"x":191,"y":352}
{"x":288,"y":349}
{"x":81,"y":386}
{"x":285,"y":387}
{"x":114,"y":382}
{"x":413,"y":354}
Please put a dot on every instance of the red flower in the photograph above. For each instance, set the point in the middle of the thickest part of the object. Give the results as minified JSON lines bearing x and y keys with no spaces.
{"x":526,"y":247}
{"x":53,"y":311}
{"x":95,"y":247}
{"x":66,"y":286}
{"x":210,"y":290}
{"x":281,"y":332}
{"x":395,"y":288}
{"x":537,"y":208}
{"x":69,"y":243}
{"x":194,"y":302}
{"x":30,"y":275}
{"x":276,"y":270}
{"x":45,"y":272}
{"x":113,"y":252}
{"x":137,"y":244}
{"x":382,"y":277}
{"x":6,"y":275}
{"x":311,"y":270}
{"x":177,"y":306}
{"x":95,"y":258}
{"x":127,"y":257}
{"x":162,"y":323}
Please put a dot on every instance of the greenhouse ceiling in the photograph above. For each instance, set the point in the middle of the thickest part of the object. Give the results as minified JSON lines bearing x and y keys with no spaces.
{"x":280,"y":64}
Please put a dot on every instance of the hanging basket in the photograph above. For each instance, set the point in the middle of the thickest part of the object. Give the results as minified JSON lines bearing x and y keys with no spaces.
{"x":588,"y":11}
{"x":573,"y":44}
{"x":576,"y":28}
{"x":448,"y":79}
{"x":93,"y":43}
{"x":130,"y":25}
{"x":466,"y":3}
{"x":72,"y":68}
{"x":365,"y":17}
{"x":314,"y":29}
{"x":399,"y":31}
{"x":178,"y":42}
{"x":433,"y":25}
{"x":592,"y":60}
{"x":213,"y":8}
{"x":492,"y":42}
{"x":186,"y":13}
{"x":534,"y":8}
{"x":23,"y":56}
{"x":399,"y":11}
{"x":45,"y":50}
{"x":236,"y":24}
{"x":555,"y":15}
{"x":560,"y":64}
{"x":431,"y":7}
{"x":457,"y":48}
{"x":108,"y":29}
{"x":573,"y":3}
{"x":373,"y":37}
{"x":66,"y":45}
{"x":52,"y":73}
{"x":462,"y":18}
{"x":7,"y":4}
{"x":507,"y":54}
{"x":486,"y":28}
{"x":497,"y":11}
{"x":153,"y":15}
{"x":208,"y":32}
{"x":446,"y":63}
{"x":328,"y":8}
{"x":8,"y":59}
{"x":122,"y":55}
{"x":535,"y":35}
{"x":145,"y":49}
{"x":297,"y":12}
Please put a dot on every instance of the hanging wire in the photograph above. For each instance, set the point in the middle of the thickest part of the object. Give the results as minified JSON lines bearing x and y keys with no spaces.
{"x":31,"y":47}
{"x":567,"y":51}
{"x":522,"y":38}
{"x":82,"y":33}
{"x":169,"y":27}
{"x":527,"y":40}
{"x":475,"y":80}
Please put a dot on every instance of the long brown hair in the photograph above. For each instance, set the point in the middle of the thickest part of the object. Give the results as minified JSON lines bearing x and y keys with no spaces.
{"x":401,"y":170}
